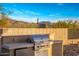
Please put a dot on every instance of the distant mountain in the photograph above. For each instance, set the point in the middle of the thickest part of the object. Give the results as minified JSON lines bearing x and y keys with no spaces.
{"x":10,"y":23}
{"x":7,"y":22}
{"x":18,"y":24}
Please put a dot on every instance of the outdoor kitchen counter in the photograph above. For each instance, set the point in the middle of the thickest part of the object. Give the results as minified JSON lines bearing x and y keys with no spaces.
{"x":14,"y":46}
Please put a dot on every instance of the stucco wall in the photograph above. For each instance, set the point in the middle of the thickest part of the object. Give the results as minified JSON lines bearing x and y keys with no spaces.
{"x":59,"y":33}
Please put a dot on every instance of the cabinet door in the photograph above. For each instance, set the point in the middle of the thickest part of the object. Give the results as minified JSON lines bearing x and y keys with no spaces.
{"x":57,"y":49}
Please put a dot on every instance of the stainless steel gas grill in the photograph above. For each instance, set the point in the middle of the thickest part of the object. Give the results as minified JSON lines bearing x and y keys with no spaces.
{"x":41,"y":44}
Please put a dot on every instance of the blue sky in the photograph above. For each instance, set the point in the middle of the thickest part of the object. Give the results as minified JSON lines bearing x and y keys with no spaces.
{"x":44,"y":11}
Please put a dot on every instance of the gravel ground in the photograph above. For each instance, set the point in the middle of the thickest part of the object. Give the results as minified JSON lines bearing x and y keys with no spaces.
{"x":71,"y":50}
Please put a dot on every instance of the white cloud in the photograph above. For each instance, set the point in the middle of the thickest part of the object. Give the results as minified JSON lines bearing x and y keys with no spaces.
{"x":24,"y":12}
{"x":51,"y":15}
{"x":56,"y":15}
{"x":31,"y":12}
{"x":18,"y":12}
